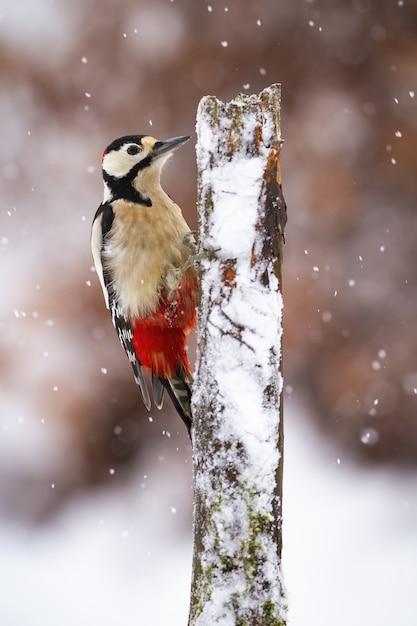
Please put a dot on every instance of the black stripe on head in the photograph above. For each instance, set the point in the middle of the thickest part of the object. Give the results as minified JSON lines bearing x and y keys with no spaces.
{"x":118,"y":143}
{"x":123,"y":189}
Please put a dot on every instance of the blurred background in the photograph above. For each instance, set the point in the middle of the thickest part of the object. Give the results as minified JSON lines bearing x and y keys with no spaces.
{"x":92,"y":486}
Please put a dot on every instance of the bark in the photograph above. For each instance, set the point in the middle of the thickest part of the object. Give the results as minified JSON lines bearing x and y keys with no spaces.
{"x":237,"y":394}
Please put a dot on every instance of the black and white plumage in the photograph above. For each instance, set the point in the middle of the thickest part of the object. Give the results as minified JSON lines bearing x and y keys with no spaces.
{"x":140,"y":251}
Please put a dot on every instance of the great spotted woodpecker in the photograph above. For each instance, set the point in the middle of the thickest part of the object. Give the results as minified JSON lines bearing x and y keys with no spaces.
{"x":141,"y":250}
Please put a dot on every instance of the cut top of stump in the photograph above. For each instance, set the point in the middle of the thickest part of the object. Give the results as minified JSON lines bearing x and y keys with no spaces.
{"x":251,"y":124}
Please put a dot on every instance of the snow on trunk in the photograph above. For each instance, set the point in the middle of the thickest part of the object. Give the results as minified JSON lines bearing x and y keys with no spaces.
{"x":237,"y":435}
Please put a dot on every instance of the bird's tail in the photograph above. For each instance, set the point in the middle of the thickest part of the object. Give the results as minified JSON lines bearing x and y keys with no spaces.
{"x":161,"y":352}
{"x":178,"y":388}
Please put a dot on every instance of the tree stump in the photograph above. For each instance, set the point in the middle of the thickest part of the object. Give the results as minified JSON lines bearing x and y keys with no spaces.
{"x":237,"y":395}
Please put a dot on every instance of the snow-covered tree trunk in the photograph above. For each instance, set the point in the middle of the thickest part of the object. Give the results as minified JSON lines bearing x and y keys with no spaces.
{"x":237,"y":435}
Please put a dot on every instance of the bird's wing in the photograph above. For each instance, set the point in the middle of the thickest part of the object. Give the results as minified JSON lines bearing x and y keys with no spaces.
{"x":102,"y":224}
{"x":125,"y":332}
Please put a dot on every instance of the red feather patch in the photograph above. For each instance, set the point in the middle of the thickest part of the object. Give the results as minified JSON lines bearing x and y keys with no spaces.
{"x":160,"y":339}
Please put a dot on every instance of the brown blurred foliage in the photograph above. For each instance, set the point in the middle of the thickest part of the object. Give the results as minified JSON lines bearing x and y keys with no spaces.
{"x":74,"y":76}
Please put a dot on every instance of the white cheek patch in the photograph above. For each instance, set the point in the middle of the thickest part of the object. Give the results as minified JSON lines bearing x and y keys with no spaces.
{"x":116,"y":164}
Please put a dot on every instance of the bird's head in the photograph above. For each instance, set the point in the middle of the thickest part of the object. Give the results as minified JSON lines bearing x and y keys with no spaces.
{"x":132,"y":165}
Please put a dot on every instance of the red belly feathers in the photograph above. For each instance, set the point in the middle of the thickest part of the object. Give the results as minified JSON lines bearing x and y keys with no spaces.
{"x":160,"y":338}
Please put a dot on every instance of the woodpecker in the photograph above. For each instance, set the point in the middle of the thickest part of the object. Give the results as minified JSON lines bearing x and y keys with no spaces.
{"x":142,"y":253}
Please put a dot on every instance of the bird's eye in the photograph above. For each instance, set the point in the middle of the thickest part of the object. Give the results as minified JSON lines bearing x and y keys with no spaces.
{"x":133,"y":149}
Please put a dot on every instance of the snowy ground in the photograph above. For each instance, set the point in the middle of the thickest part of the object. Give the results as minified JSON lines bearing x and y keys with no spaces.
{"x":350,"y":538}
{"x":122,"y":556}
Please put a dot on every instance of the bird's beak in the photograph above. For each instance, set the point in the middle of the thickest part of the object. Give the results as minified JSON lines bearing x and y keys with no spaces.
{"x":162,"y":147}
